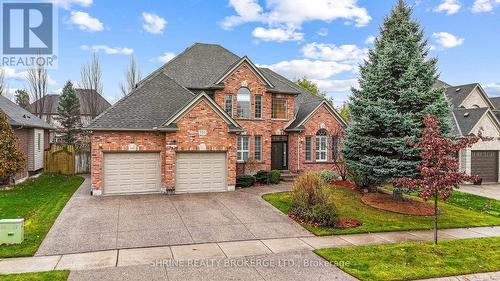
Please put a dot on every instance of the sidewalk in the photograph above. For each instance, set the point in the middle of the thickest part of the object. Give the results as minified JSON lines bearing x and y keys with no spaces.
{"x":145,"y":256}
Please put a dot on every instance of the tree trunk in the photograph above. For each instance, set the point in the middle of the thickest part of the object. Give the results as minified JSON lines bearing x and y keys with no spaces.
{"x":435,"y":218}
{"x":397,"y":195}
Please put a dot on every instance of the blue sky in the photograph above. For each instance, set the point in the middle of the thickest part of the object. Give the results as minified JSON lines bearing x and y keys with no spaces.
{"x":316,"y":39}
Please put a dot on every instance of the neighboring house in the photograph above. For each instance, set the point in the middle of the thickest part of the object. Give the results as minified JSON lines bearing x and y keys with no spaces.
{"x":472,"y":110}
{"x":194,"y":124}
{"x":91,"y":105}
{"x":32,"y":135}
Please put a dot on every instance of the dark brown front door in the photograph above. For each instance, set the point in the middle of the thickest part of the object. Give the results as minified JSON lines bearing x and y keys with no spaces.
{"x":485,"y":164}
{"x":279,"y":153}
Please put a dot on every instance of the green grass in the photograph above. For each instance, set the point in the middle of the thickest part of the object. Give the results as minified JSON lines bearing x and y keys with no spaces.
{"x":349,"y":205}
{"x":476,"y":203}
{"x":57,"y":275}
{"x":407,"y":261}
{"x":39,"y":201}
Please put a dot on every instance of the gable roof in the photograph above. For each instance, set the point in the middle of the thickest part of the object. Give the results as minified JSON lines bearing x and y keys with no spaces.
{"x":253,"y":68}
{"x":170,"y":123}
{"x":496,"y":102}
{"x":146,"y":108}
{"x":51,"y":102}
{"x":458,"y":94}
{"x":466,"y":119}
{"x":440,"y":84}
{"x":307,"y":110}
{"x":18,"y":116}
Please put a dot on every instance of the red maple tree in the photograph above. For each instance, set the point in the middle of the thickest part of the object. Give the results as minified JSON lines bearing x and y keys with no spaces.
{"x":439,"y":173}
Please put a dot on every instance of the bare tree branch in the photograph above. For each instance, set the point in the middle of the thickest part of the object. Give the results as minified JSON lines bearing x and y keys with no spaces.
{"x":91,"y":76}
{"x":37,"y":78}
{"x":132,"y":77}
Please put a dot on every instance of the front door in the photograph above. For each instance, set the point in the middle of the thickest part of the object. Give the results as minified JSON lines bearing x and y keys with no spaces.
{"x":279,"y":153}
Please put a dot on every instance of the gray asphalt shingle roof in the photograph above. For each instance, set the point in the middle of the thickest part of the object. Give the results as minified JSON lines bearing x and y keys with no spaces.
{"x":457,"y":94}
{"x":51,"y":102}
{"x":496,"y":102}
{"x":147,"y":107}
{"x":466,"y":119}
{"x":18,"y":116}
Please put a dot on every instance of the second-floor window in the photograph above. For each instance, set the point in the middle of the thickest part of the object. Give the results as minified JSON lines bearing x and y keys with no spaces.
{"x":258,"y":107}
{"x":279,"y":108}
{"x":228,"y":104}
{"x":243,"y":103}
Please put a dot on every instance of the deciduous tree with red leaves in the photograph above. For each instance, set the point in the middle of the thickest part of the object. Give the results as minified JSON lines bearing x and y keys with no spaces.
{"x":438,"y":173}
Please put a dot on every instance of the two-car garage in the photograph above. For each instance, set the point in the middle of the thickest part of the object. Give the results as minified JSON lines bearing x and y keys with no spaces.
{"x":140,"y":172}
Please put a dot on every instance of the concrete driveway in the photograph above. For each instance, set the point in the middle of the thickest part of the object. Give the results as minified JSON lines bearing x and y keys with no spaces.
{"x":486,"y":190}
{"x":102,"y":223}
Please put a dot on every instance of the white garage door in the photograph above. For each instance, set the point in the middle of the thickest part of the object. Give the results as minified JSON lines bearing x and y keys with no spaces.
{"x":135,"y":172}
{"x":200,"y":172}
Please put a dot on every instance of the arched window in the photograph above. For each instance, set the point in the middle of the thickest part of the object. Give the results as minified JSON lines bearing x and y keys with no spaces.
{"x":321,"y":145}
{"x":243,"y":103}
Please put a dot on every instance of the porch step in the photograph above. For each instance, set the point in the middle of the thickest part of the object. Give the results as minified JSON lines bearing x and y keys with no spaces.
{"x":288,"y":177}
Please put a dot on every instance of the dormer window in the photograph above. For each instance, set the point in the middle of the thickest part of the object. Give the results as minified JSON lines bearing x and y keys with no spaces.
{"x":243,"y":103}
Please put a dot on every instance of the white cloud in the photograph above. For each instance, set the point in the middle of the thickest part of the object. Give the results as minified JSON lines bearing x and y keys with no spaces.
{"x":312,"y":69}
{"x":85,"y":22}
{"x":247,"y":10}
{"x":153,"y":23}
{"x":277,"y":34}
{"x":293,"y":13}
{"x":11,"y":73}
{"x":66,"y":4}
{"x":449,"y":6}
{"x":322,"y":32}
{"x":108,"y":50}
{"x":370,"y":40}
{"x":493,"y":87}
{"x":482,"y":6}
{"x":331,"y":52}
{"x":446,"y":40}
{"x":166,"y":57}
{"x":336,"y":85}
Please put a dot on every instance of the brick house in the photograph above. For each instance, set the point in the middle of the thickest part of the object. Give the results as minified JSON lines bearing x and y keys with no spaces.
{"x":473,"y":109}
{"x":204,"y":117}
{"x":32,"y":136}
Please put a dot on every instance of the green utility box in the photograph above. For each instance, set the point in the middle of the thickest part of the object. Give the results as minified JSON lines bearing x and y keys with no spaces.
{"x":11,"y":231}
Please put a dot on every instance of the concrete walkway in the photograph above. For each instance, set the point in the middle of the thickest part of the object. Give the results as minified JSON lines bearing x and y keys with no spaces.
{"x":485,"y":190}
{"x":224,"y":250}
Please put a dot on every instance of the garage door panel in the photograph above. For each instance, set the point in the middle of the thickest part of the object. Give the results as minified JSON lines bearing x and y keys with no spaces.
{"x":131,"y":173}
{"x":201,"y":172}
{"x":484,"y":163}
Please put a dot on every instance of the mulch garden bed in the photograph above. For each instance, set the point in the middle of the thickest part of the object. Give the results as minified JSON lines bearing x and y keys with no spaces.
{"x":409,"y":206}
{"x":342,"y":223}
{"x":347,"y":184}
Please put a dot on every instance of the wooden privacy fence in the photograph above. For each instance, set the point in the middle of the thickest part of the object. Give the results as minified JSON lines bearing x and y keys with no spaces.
{"x":64,"y":159}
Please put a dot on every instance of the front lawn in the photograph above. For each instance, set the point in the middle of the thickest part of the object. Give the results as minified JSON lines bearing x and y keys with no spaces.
{"x":407,"y":261}
{"x":57,"y":275}
{"x":39,"y":201}
{"x":477,"y":203}
{"x":349,"y":205}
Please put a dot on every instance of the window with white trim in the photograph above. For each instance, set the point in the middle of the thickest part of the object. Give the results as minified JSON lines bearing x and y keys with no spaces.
{"x":321,"y":146}
{"x":243,"y":148}
{"x":257,"y":148}
{"x":308,"y":148}
{"x":228,"y":104}
{"x":243,"y":103}
{"x":258,"y":107}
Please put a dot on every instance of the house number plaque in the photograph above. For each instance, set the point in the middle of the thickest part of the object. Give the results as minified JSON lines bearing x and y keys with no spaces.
{"x":202,"y":132}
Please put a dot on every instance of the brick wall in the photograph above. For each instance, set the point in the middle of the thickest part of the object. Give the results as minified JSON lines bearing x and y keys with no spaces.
{"x":321,"y":119}
{"x":265,"y":127}
{"x":103,"y":142}
{"x":200,"y":129}
{"x":22,"y":136}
